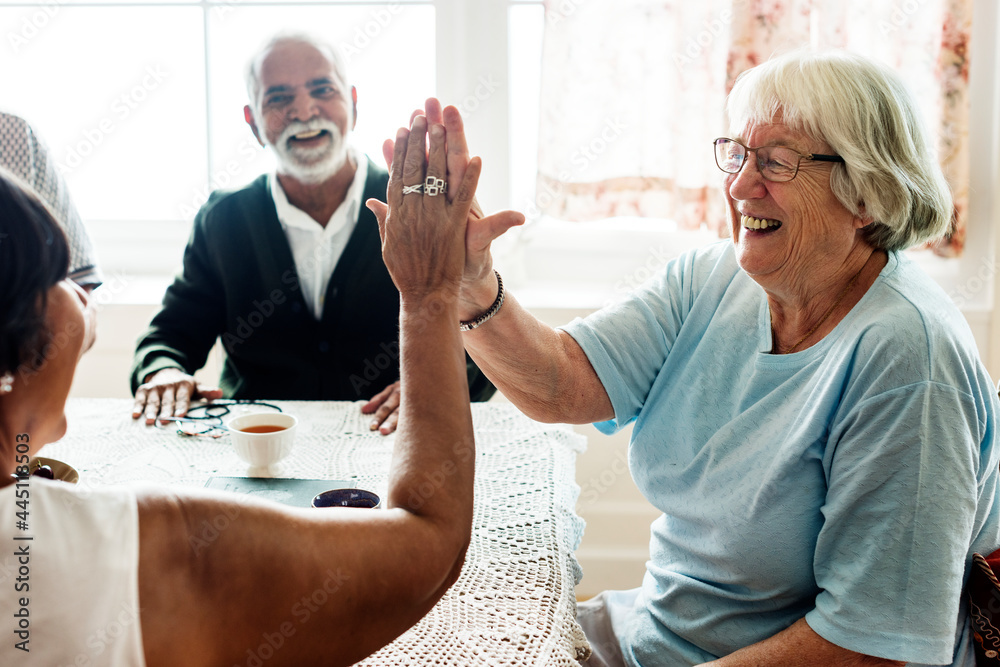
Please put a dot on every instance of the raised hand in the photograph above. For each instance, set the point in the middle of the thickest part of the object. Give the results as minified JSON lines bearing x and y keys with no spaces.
{"x":478,"y":283}
{"x":423,"y":234}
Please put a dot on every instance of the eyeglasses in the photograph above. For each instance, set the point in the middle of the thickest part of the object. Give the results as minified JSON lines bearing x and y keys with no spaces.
{"x":776,"y":163}
{"x":206,"y":420}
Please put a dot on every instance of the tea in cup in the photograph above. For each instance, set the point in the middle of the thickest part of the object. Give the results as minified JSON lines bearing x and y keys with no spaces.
{"x":262,"y":439}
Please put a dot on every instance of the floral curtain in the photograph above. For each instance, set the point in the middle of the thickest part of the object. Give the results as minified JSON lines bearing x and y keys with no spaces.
{"x":633,"y":92}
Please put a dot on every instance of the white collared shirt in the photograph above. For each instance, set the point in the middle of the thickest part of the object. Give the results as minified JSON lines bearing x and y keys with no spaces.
{"x":317,"y":249}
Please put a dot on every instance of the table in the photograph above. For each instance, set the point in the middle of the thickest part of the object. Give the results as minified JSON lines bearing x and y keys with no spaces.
{"x":514,"y":603}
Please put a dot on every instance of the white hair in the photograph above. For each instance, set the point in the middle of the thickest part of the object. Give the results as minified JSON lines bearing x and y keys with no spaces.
{"x":252,"y":72}
{"x":864,"y":112}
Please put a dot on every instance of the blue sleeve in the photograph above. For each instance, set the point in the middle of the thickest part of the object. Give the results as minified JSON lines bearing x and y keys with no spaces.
{"x":904,"y":481}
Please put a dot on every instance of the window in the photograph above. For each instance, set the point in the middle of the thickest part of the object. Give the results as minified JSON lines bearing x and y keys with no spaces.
{"x":141,"y":102}
{"x":586,"y":264}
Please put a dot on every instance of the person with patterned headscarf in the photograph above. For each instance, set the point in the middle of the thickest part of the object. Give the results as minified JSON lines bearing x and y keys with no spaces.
{"x":25,"y":155}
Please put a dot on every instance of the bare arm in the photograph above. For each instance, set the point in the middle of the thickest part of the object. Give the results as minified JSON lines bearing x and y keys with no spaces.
{"x":543,"y":371}
{"x":540,"y":370}
{"x":222,"y":577}
{"x":798,"y":646}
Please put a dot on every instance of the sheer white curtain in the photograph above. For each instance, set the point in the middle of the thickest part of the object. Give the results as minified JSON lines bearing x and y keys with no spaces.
{"x":633,"y":93}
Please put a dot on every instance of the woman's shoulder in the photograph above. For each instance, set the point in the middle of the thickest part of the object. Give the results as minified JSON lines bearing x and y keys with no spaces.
{"x":906,"y":298}
{"x":908,"y":322}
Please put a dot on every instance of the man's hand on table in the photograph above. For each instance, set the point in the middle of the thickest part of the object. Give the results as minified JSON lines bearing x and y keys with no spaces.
{"x":168,"y":393}
{"x":385,"y":405}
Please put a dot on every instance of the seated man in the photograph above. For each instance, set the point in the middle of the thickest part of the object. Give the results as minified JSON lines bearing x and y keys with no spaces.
{"x":25,"y":155}
{"x":288,"y":270}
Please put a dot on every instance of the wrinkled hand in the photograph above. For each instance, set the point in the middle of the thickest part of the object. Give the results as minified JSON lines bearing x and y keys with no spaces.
{"x":478,"y":282}
{"x":385,"y":405}
{"x":423,"y":236}
{"x":168,"y":393}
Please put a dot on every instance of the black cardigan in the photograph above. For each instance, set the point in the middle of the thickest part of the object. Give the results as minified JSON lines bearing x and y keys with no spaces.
{"x":239,"y":282}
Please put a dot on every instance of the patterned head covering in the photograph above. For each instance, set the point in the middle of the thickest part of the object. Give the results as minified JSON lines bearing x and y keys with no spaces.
{"x":25,"y":155}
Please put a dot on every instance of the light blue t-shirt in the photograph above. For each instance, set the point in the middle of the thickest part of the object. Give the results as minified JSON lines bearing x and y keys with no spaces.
{"x":848,"y":483}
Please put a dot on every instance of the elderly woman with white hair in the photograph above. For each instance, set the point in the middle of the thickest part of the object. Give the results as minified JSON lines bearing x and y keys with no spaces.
{"x":810,"y":411}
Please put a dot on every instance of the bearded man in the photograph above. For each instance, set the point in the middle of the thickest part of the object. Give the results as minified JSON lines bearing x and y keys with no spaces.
{"x":288,"y":271}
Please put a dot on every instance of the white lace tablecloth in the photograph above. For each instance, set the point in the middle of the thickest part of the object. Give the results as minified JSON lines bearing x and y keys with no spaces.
{"x":514,"y":603}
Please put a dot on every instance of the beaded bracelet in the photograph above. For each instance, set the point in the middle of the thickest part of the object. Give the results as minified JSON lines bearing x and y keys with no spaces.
{"x":493,"y":310}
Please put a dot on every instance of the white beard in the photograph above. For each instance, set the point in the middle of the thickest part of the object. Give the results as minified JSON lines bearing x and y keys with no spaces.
{"x":310,"y":165}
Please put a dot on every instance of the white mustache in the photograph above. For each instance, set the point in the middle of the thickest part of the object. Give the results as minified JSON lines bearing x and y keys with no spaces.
{"x":297,"y":127}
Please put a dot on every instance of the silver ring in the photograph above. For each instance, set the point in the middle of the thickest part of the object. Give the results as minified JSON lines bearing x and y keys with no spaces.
{"x":410,"y":189}
{"x":434,"y":186}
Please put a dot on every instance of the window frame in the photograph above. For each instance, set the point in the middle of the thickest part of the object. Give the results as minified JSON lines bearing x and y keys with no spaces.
{"x":595,"y":261}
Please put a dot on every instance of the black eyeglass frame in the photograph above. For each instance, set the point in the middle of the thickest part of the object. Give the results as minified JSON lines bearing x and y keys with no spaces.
{"x":210,"y":423}
{"x":818,"y":157}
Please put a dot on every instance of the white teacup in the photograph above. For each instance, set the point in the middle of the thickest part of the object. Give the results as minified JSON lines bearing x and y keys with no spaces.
{"x":262,"y":439}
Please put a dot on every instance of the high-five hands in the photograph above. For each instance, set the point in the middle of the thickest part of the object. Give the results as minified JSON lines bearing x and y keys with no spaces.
{"x":423,"y":230}
{"x":478,"y":282}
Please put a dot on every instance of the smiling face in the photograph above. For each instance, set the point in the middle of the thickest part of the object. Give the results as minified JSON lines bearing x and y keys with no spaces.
{"x":788,"y":234}
{"x":303,"y":109}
